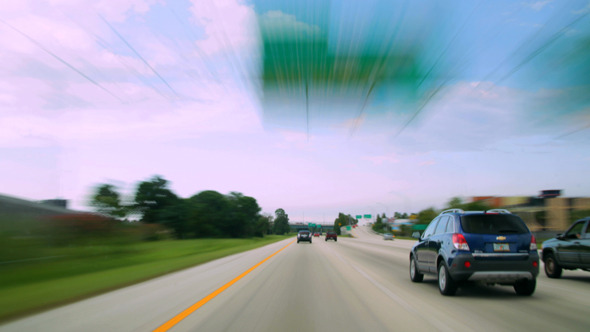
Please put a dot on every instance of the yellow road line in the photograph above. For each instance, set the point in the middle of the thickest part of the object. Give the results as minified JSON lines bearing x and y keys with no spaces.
{"x":169,"y":324}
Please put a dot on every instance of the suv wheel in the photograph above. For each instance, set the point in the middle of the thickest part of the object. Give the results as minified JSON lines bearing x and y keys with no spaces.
{"x":552,"y":269}
{"x":446,"y":284}
{"x":525,"y":287}
{"x":415,"y":276}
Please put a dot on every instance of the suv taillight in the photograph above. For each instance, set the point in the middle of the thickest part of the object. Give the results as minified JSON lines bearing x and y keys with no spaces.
{"x":533,"y":243}
{"x":459,"y":242}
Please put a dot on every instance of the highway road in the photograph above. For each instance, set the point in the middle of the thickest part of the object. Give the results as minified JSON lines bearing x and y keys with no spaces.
{"x":355,"y":284}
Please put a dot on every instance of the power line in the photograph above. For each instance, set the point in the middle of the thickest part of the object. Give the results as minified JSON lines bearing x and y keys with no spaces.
{"x":62,"y":60}
{"x":140,"y":57}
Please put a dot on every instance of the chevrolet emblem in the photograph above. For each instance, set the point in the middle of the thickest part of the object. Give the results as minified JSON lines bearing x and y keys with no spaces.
{"x":501,"y":238}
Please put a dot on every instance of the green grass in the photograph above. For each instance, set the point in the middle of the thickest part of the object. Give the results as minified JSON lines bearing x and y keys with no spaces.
{"x":74,"y":273}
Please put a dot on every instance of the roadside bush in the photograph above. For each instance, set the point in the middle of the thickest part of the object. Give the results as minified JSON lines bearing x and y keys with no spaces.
{"x":80,"y":229}
{"x":155,"y":232}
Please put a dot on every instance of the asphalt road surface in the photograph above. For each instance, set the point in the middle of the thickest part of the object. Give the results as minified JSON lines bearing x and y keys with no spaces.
{"x":355,"y":284}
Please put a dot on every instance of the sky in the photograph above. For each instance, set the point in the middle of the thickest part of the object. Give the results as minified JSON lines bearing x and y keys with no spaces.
{"x":102,"y":91}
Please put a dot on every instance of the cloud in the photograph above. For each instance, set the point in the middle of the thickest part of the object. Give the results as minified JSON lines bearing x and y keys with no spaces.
{"x":76,"y":127}
{"x":476,"y":116}
{"x":229,"y":26}
{"x":294,"y":136}
{"x":45,"y":102}
{"x":427,"y":163}
{"x":196,"y":140}
{"x":383,"y":159}
{"x":352,"y":124}
{"x":60,"y":52}
{"x":275,"y":23}
{"x":582,"y":11}
{"x":539,"y":5}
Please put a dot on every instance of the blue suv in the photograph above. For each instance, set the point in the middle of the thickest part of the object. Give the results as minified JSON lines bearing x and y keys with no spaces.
{"x":493,"y":247}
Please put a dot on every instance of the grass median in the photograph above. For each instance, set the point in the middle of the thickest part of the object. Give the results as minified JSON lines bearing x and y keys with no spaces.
{"x":69,"y":274}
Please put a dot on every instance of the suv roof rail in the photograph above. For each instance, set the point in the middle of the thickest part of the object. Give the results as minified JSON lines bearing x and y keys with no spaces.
{"x":498,"y":211}
{"x":452,"y":211}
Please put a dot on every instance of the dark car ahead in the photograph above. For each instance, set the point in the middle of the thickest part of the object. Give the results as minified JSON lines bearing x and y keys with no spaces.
{"x":493,"y":247}
{"x":570,"y":250}
{"x":332,"y":236}
{"x":304,"y":236}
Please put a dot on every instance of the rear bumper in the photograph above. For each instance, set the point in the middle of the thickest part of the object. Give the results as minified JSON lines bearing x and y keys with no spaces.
{"x":501,"y":276}
{"x":495,"y":269}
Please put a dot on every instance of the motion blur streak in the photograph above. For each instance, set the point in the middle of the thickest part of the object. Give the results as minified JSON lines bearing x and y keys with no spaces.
{"x":139,"y":55}
{"x":58,"y":58}
{"x":169,"y":324}
{"x":330,"y":62}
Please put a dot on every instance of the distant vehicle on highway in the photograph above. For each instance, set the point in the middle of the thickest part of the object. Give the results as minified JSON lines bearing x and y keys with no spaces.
{"x":332,"y":236}
{"x":493,"y":247}
{"x":388,"y":236}
{"x":304,"y":236}
{"x":570,"y":250}
{"x":316,"y":234}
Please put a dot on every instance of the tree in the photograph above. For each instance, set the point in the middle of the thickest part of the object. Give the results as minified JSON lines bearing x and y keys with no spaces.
{"x":281,"y":224}
{"x":175,"y":216}
{"x":399,"y":215}
{"x":243,"y":216}
{"x":457,"y":203}
{"x":476,"y":206}
{"x":209,"y":214}
{"x":263,"y":225}
{"x":338,"y":223}
{"x":107,"y":201}
{"x":343,"y":220}
{"x":426,"y":216}
{"x":378,"y":226}
{"x":386,"y":225}
{"x":153,"y":196}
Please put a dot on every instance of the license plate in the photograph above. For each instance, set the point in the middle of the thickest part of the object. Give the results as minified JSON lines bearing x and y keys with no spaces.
{"x":501,"y":247}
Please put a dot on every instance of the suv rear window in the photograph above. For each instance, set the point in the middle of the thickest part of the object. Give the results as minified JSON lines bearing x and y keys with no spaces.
{"x":493,"y":224}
